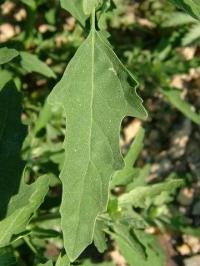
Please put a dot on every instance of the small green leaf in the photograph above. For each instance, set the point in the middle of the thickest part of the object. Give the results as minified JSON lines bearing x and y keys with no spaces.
{"x":7,"y":54}
{"x":63,"y":261}
{"x":144,"y":196}
{"x":175,"y":19}
{"x":99,"y":236}
{"x":138,"y":248}
{"x":75,"y":8}
{"x":44,"y":117}
{"x":12,"y":134}
{"x":192,"y":36}
{"x":174,"y":96}
{"x":125,"y":175}
{"x":127,"y":236}
{"x":191,"y":7}
{"x":31,"y":63}
{"x":96,"y":92}
{"x":20,"y":209}
{"x":5,"y":76}
{"x":31,"y":3}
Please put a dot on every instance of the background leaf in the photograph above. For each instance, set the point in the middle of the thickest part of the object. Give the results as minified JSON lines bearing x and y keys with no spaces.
{"x":191,"y":7}
{"x":20,"y":209}
{"x":12,"y":134}
{"x":174,"y":97}
{"x":75,"y":8}
{"x":7,"y":54}
{"x":123,"y":176}
{"x":31,"y":63}
{"x":143,"y":196}
{"x":138,"y":248}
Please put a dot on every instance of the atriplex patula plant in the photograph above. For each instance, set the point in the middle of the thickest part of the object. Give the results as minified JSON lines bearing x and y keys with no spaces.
{"x":97,"y":86}
{"x":96,"y":92}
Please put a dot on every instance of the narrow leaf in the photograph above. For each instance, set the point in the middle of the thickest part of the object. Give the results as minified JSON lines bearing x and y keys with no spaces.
{"x":144,"y":196}
{"x":174,"y":96}
{"x":96,"y":92}
{"x":192,"y":36}
{"x":31,"y":63}
{"x":12,"y":134}
{"x":192,"y":7}
{"x":178,"y":19}
{"x":125,"y":175}
{"x":20,"y":209}
{"x":7,"y":54}
{"x":99,"y":236}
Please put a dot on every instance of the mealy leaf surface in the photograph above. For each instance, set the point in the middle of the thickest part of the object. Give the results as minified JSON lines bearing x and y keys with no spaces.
{"x":96,"y":92}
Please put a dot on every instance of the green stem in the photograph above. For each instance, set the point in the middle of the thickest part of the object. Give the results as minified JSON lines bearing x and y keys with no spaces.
{"x":30,"y":27}
{"x":30,"y":245}
{"x":93,"y":20}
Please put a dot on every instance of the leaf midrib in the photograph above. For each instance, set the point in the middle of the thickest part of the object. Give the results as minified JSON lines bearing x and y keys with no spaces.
{"x":93,"y":32}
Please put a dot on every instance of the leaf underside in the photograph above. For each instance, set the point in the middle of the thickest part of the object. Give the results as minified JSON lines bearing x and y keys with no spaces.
{"x":96,"y":92}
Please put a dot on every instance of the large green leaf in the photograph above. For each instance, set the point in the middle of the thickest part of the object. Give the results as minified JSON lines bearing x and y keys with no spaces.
{"x":191,"y":7}
{"x":174,"y":96}
{"x":137,"y":247}
{"x":96,"y":92}
{"x":7,"y":54}
{"x":144,"y":196}
{"x":31,"y":63}
{"x":12,"y":134}
{"x":75,"y":8}
{"x":21,"y":207}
